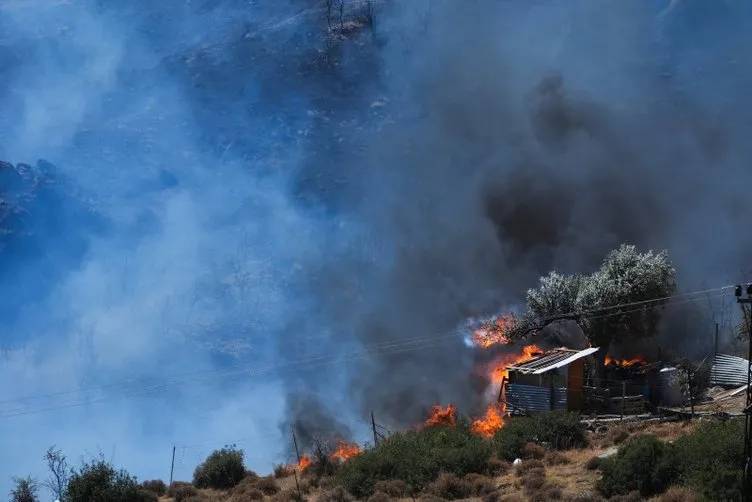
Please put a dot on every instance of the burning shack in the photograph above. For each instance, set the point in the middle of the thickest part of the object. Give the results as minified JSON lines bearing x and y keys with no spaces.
{"x":553,"y":380}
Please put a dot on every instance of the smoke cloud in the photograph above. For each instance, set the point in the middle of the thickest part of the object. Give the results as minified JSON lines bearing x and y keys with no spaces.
{"x":244,"y":224}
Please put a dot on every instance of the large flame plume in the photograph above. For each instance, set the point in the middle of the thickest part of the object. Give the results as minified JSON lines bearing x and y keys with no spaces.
{"x":442,"y":415}
{"x":346,"y":451}
{"x":491,"y":422}
{"x":304,"y":463}
{"x":624,"y":363}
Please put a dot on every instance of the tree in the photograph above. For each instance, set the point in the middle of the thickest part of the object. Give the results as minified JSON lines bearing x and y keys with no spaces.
{"x":59,"y":469}
{"x":99,"y":481}
{"x":608,"y":304}
{"x":24,"y":490}
{"x":222,"y":469}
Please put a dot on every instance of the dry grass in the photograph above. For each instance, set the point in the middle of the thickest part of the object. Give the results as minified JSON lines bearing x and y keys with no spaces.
{"x":558,"y":476}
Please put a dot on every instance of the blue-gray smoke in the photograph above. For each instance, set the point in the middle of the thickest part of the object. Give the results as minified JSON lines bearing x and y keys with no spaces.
{"x":228,"y":192}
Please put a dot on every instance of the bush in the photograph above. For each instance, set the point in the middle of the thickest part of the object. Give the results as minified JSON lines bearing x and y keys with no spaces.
{"x":156,"y":486}
{"x":283,"y":470}
{"x":99,"y":481}
{"x":557,"y":430}
{"x":417,"y":458}
{"x":246,"y":490}
{"x":450,"y":487}
{"x":678,"y":494}
{"x":267,"y":485}
{"x":480,"y":485}
{"x":337,"y":494}
{"x":24,"y":490}
{"x":555,"y":458}
{"x":593,"y":463}
{"x":181,"y":491}
{"x":532,"y":450}
{"x":222,"y":469}
{"x":288,"y":495}
{"x":393,"y":487}
{"x":642,"y":464}
{"x":709,"y":458}
{"x":379,"y":497}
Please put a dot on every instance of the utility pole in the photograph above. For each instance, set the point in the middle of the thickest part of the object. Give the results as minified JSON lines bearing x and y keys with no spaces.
{"x":172,"y":464}
{"x":715,"y":345}
{"x":375,"y":435}
{"x":747,"y":487}
{"x":295,"y":442}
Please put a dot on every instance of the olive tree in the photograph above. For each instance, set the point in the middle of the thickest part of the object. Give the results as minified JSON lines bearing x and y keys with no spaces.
{"x":608,"y":304}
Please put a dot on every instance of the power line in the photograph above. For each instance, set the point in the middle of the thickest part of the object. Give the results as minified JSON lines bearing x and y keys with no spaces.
{"x":384,"y":348}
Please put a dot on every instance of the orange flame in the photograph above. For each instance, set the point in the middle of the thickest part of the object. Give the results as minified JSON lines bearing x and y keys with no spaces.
{"x":494,"y":332}
{"x":345,"y":451}
{"x":442,"y":415}
{"x":624,"y":363}
{"x":491,"y":422}
{"x":304,"y":463}
{"x":499,"y":371}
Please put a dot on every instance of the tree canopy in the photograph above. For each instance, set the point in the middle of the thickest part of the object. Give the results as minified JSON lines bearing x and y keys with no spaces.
{"x":606,"y":304}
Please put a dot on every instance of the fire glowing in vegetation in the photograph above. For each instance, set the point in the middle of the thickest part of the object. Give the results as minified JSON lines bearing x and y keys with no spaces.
{"x":304,"y":463}
{"x":494,"y":332}
{"x":442,"y":415}
{"x":491,"y":422}
{"x":624,"y":363}
{"x":345,"y":451}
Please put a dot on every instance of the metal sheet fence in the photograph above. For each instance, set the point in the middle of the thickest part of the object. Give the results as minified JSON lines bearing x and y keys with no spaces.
{"x":533,"y":398}
{"x":728,"y":371}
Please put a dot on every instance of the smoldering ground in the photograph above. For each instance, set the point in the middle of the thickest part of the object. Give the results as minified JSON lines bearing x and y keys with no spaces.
{"x":267,"y":194}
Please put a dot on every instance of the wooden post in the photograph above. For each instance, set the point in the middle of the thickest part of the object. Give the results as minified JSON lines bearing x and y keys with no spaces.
{"x":373,"y":426}
{"x":623,"y":398}
{"x":172,"y":464}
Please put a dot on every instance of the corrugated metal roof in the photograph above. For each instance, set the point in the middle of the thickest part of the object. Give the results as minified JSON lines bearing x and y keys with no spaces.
{"x":551,"y":360}
{"x":728,"y":371}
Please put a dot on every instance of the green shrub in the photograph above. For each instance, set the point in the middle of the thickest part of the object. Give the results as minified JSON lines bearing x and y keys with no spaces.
{"x":417,"y":458}
{"x":156,"y":486}
{"x":593,"y":463}
{"x":710,"y":457}
{"x":222,"y":469}
{"x":99,"y":481}
{"x":642,"y":464}
{"x":557,"y":430}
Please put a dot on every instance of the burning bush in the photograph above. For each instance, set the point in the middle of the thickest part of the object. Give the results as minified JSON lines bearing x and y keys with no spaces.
{"x":557,"y":430}
{"x":417,"y":457}
{"x":222,"y":469}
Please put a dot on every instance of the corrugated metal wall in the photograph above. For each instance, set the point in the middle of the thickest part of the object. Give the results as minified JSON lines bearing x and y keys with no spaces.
{"x":533,"y":398}
{"x":728,"y":371}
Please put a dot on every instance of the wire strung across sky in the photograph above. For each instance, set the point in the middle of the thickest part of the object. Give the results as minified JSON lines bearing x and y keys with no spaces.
{"x":134,"y":388}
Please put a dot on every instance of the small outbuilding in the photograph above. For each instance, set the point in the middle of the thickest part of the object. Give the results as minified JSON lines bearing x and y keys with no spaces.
{"x":553,"y":380}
